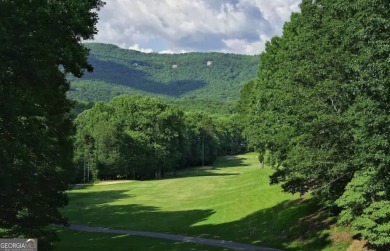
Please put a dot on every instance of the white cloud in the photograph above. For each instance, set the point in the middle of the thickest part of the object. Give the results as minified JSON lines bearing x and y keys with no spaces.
{"x":170,"y":51}
{"x":138,"y":48}
{"x":238,"y":26}
{"x":243,"y":46}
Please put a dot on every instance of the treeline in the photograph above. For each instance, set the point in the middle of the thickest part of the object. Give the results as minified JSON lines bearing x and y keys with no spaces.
{"x":215,"y":76}
{"x":214,"y":107}
{"x":135,"y":137}
{"x":321,"y":108}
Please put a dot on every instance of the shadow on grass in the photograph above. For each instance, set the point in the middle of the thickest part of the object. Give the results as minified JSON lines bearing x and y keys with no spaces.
{"x":198,"y":171}
{"x":295,"y":225}
{"x":96,"y":198}
{"x":99,"y":241}
{"x":181,"y":173}
{"x":289,"y":225}
{"x":220,"y":164}
{"x":97,"y":210}
{"x":229,"y":161}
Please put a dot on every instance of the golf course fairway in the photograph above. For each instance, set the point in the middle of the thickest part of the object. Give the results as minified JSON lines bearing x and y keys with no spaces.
{"x":231,"y":200}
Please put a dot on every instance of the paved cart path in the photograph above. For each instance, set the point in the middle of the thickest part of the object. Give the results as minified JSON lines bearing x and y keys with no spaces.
{"x":183,"y":238}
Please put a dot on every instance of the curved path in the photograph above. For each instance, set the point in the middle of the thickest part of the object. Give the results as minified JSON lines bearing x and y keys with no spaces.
{"x":183,"y":238}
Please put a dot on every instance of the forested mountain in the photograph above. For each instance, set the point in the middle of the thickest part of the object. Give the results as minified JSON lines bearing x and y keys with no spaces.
{"x":210,"y":76}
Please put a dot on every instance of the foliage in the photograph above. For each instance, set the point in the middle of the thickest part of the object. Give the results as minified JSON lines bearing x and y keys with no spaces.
{"x":79,"y":107}
{"x":105,"y":92}
{"x":366,"y":207}
{"x":138,"y":137}
{"x":38,"y":38}
{"x":320,"y":106}
{"x":209,"y":106}
{"x":142,"y":137}
{"x":214,"y":76}
{"x":231,"y":140}
{"x":201,"y":139}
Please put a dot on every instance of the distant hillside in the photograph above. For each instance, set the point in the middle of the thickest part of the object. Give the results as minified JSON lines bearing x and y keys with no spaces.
{"x":209,"y":76}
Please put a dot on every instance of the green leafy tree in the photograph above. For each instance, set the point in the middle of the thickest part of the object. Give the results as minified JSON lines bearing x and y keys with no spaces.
{"x":320,"y":106}
{"x":142,"y":137}
{"x":202,"y":140}
{"x":40,"y":43}
{"x":230,"y":138}
{"x":139,"y":137}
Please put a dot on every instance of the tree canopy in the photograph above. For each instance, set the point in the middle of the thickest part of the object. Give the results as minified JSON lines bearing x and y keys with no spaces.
{"x":40,"y":43}
{"x":135,"y":137}
{"x":320,"y":106}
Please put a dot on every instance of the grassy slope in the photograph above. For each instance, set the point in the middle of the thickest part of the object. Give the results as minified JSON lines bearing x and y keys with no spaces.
{"x":232,"y":202}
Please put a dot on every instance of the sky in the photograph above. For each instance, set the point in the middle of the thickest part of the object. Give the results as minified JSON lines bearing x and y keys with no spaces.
{"x":177,"y":26}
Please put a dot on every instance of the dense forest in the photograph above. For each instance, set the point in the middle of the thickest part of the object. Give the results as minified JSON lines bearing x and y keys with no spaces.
{"x":320,"y":107}
{"x":212,"y":76}
{"x":135,"y":137}
{"x":213,"y":107}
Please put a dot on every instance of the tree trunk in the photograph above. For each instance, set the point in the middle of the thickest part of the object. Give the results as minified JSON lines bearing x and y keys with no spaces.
{"x":262,"y":164}
{"x":203,"y":153}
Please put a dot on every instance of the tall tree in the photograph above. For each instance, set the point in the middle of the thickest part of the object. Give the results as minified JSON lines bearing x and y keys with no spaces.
{"x":40,"y":43}
{"x":320,"y":104}
{"x":201,"y":138}
{"x":229,"y":132}
{"x":138,"y":137}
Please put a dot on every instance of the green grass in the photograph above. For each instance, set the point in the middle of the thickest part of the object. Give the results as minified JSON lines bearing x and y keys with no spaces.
{"x":233,"y":201}
{"x":82,"y":241}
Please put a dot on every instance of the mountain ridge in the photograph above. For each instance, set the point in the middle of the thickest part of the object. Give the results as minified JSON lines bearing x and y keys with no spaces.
{"x":194,"y":75}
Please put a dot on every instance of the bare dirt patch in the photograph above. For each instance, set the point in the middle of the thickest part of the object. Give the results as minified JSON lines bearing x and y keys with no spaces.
{"x":341,"y":237}
{"x":358,"y":245}
{"x":316,"y":221}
